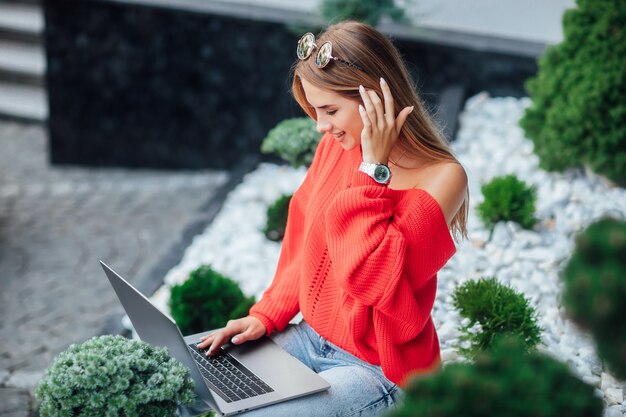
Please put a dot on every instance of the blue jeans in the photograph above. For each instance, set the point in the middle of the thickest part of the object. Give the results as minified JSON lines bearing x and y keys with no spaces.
{"x":357,"y":388}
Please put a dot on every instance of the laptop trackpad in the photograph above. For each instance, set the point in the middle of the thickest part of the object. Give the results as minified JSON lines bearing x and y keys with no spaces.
{"x":286,"y":374}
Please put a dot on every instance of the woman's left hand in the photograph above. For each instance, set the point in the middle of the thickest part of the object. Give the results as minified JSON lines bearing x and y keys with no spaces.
{"x":380,"y":126}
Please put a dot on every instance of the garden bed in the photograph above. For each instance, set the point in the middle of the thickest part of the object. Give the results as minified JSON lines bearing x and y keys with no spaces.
{"x":489,"y":144}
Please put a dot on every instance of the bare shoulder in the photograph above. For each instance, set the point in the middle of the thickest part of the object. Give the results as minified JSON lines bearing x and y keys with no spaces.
{"x":447,"y":183}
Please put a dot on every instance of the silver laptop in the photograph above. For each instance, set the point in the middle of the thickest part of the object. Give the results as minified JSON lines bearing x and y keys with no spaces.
{"x":239,"y":378}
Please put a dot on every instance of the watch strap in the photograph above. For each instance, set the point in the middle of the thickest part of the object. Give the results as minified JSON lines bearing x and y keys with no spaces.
{"x":371,"y":170}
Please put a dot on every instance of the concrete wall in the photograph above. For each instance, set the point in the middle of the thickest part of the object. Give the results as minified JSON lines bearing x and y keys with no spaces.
{"x":199,"y":84}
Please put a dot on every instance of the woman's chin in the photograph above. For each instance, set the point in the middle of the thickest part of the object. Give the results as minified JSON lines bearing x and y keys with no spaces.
{"x":348,"y":143}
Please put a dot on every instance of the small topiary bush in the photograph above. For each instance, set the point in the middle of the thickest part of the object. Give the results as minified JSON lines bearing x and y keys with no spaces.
{"x":493,"y":309}
{"x":366,"y":11}
{"x":578,"y":108}
{"x":294,"y":140}
{"x":508,"y":198}
{"x":111,"y":376}
{"x":504,"y":381}
{"x":594,"y":292}
{"x":277,"y":218}
{"x":207,"y":300}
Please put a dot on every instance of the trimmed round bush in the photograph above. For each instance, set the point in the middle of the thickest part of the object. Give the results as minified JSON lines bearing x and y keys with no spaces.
{"x":277,"y":218}
{"x":508,"y":198}
{"x":366,"y":11}
{"x":112,"y":376}
{"x":492,"y":310}
{"x":504,"y":381}
{"x":294,"y":140}
{"x":594,"y":292}
{"x":206,"y":301}
{"x":578,"y":109}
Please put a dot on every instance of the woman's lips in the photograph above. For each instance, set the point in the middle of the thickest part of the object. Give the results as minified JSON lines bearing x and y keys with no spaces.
{"x":339,"y":136}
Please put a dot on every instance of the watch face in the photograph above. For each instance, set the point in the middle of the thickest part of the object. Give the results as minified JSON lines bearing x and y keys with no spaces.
{"x":381,"y":174}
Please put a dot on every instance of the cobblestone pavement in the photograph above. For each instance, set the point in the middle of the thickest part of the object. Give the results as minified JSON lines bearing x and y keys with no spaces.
{"x":55,"y":224}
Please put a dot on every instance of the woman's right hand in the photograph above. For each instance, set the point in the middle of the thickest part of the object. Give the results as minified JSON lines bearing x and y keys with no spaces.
{"x":238,"y":331}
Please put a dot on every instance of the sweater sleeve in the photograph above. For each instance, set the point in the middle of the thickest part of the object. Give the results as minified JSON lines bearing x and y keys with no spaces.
{"x":280,"y":303}
{"x":385,"y":245}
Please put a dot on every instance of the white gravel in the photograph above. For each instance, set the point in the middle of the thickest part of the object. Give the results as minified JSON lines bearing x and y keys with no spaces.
{"x":489,"y":143}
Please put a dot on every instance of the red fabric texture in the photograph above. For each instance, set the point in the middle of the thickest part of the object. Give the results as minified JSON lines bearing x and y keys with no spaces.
{"x":360,"y":261}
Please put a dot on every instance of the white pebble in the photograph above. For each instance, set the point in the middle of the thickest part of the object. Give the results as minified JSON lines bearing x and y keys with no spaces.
{"x":614,"y":396}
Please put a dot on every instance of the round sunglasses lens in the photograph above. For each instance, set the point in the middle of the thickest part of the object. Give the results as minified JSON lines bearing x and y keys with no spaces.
{"x":324,"y":55}
{"x":305,"y":45}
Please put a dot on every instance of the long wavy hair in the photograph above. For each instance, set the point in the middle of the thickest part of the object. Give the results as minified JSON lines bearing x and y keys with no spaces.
{"x":374,"y":53}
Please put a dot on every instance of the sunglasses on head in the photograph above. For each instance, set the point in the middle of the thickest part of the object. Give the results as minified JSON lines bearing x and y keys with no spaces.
{"x":324,"y":55}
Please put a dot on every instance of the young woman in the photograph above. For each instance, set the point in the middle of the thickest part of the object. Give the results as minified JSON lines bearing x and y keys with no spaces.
{"x":368,"y":231}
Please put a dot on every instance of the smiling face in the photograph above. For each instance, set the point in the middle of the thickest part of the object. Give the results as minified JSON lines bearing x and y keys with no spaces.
{"x":336,"y":114}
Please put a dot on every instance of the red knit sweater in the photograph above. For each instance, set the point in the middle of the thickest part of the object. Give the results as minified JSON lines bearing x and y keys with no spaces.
{"x":359,"y":260}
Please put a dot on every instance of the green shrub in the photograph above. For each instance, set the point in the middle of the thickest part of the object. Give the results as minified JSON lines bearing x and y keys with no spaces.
{"x":277,"y":218}
{"x":504,"y":381}
{"x":594,"y":292}
{"x":578,"y":108}
{"x":294,"y":140}
{"x":207,"y":300}
{"x":113,"y":376}
{"x":493,"y":309}
{"x":366,"y":11}
{"x":507,"y":198}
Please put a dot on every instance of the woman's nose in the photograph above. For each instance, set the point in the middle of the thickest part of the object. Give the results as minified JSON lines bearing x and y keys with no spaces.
{"x":323,"y":127}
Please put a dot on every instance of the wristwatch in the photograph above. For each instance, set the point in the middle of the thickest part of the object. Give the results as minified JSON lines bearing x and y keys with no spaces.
{"x":379,"y":172}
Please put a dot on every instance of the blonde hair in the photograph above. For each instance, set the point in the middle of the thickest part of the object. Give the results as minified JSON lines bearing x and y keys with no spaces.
{"x":374,"y":53}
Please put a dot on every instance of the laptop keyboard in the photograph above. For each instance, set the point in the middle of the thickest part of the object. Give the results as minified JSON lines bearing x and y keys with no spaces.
{"x":228,"y":377}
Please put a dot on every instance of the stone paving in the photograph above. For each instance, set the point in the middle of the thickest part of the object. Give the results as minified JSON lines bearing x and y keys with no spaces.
{"x":55,"y":224}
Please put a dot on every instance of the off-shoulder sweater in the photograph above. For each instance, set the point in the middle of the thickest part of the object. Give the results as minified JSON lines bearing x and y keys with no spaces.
{"x":360,"y":261}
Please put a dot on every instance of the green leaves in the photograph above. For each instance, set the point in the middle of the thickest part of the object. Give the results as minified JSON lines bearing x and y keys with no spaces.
{"x":207,"y":300}
{"x":111,"y":375}
{"x":492,"y":309}
{"x":366,"y":11}
{"x":507,"y":198}
{"x":576,"y":118}
{"x":276,"y":218}
{"x":504,"y":381}
{"x":595,"y":289}
{"x":294,"y":140}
